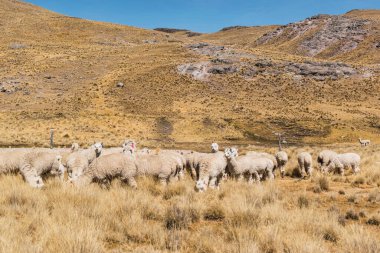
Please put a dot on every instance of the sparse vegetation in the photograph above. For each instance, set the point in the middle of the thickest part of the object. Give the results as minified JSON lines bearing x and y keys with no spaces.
{"x":67,"y":82}
{"x":351,"y":215}
{"x":322,"y":184}
{"x":374,"y":221}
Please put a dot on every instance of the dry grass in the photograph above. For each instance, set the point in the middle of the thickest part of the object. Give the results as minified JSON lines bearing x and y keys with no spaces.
{"x":281,"y":216}
{"x":68,"y":82}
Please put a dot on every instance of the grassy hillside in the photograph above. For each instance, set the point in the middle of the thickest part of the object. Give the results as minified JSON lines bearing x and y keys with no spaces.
{"x":62,"y":72}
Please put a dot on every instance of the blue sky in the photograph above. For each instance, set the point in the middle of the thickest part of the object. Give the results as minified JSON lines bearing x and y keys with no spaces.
{"x":201,"y":15}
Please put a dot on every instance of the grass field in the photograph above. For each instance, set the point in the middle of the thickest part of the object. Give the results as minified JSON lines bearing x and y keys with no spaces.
{"x":321,"y":214}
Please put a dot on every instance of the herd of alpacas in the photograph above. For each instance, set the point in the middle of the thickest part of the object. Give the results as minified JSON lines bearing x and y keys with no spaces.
{"x":95,"y":164}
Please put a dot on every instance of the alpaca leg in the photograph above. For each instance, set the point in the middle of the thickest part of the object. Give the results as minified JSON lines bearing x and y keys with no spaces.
{"x":356,"y":169}
{"x":257,"y":176}
{"x":270,"y":175}
{"x":341,"y":171}
{"x":250,"y":179}
{"x":309,"y":171}
{"x":163,"y":181}
{"x":193,"y":173}
{"x":212,"y":183}
{"x":105,"y":183}
{"x":181,"y":174}
{"x":302,"y":170}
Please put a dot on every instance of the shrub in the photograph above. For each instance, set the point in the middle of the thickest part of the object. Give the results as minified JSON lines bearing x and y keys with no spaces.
{"x":374,"y":221}
{"x":151,"y":213}
{"x":214,"y":213}
{"x":172,"y":191}
{"x":179,"y":217}
{"x":351,"y":215}
{"x":351,"y":198}
{"x":362,"y":214}
{"x":330,"y":235}
{"x":359,"y":180}
{"x":317,"y":189}
{"x":247,"y":218}
{"x":303,"y":201}
{"x":323,"y":183}
{"x":374,"y":196}
{"x":342,"y":220}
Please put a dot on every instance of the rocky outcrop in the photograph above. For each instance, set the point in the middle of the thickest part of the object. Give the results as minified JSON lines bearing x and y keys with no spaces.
{"x":228,"y":61}
{"x":323,"y":32}
{"x":10,"y":86}
{"x":236,"y":27}
{"x":174,"y":30}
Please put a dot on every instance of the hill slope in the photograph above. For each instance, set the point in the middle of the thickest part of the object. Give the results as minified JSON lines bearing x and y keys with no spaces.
{"x":62,"y":72}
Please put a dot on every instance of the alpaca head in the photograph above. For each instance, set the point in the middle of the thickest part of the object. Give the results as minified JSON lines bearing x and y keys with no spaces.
{"x":58,"y":168}
{"x":74,"y":147}
{"x":201,"y":185}
{"x":35,"y":181}
{"x":129,"y":146}
{"x":231,"y":152}
{"x":214,"y":147}
{"x":98,"y":147}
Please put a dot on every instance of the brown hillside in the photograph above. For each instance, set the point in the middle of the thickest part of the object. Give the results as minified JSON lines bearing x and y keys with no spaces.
{"x":62,"y":72}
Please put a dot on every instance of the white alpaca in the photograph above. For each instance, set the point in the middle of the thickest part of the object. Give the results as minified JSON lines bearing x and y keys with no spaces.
{"x":324,"y":158}
{"x":212,"y":167}
{"x":364,"y":142}
{"x":78,"y":162}
{"x":305,"y":162}
{"x":105,"y":168}
{"x":263,"y":154}
{"x":180,"y":160}
{"x":36,"y":164}
{"x":32,"y":164}
{"x":282,"y":160}
{"x":255,"y":167}
{"x":344,"y":161}
{"x":164,"y":165}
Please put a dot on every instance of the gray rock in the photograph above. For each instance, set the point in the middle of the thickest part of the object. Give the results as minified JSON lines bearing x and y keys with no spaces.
{"x":222,"y":70}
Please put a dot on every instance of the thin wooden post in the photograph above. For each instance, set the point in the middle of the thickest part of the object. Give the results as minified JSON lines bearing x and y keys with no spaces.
{"x":52,"y":138}
{"x":279,"y":135}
